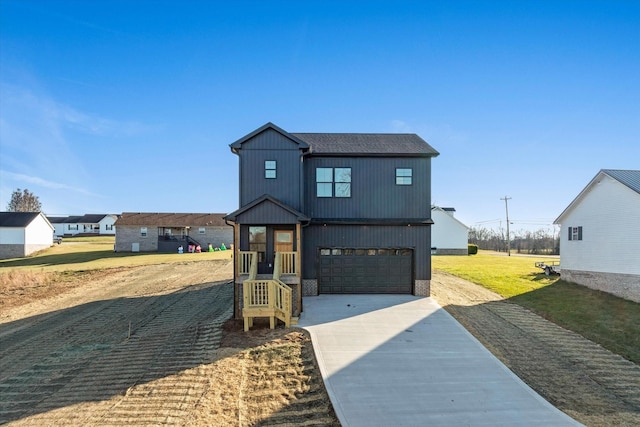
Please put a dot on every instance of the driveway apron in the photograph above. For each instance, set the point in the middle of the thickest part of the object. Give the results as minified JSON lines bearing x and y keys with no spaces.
{"x":401,"y":360}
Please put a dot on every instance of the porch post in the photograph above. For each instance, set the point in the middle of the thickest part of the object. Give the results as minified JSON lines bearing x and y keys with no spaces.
{"x":236,"y":250}
{"x":299,"y":265}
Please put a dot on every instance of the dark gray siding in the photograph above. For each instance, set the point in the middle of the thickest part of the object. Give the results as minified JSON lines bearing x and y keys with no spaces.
{"x":266,"y":213}
{"x":374,"y":193}
{"x":367,"y":236}
{"x":286,"y":187}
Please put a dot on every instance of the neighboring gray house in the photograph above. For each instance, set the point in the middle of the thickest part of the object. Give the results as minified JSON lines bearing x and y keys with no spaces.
{"x":90,"y":224}
{"x":23,"y":233}
{"x":353,"y":208}
{"x":600,"y":234}
{"x":165,"y":232}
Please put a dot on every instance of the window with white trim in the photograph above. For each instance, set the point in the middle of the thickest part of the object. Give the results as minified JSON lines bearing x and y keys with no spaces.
{"x":202,"y":230}
{"x":270,"y":169}
{"x":404,"y":176}
{"x":143,"y":231}
{"x":575,"y":233}
{"x":333,"y":182}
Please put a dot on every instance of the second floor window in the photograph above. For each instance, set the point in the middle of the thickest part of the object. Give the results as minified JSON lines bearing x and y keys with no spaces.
{"x":269,"y":168}
{"x":404,"y":176}
{"x":333,"y":182}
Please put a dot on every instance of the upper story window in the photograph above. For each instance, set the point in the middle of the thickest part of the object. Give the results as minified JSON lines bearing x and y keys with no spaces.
{"x":269,"y":168}
{"x":575,"y":233}
{"x":333,"y":182}
{"x":404,"y":176}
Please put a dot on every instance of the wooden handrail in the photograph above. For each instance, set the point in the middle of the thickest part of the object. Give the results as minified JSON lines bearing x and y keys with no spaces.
{"x":288,"y":262}
{"x":266,"y":298}
{"x":248,"y":263}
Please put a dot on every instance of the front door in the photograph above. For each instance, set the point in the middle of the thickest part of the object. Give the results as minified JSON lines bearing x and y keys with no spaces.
{"x":283,"y":240}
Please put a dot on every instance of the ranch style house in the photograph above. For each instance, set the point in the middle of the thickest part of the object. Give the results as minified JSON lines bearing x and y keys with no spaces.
{"x":167,"y":232}
{"x":329,"y":213}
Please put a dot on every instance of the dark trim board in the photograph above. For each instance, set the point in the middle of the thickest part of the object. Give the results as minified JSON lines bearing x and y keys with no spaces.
{"x":365,"y":270}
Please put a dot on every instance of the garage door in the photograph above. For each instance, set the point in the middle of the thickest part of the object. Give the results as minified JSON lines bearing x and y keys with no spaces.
{"x":365,"y":271}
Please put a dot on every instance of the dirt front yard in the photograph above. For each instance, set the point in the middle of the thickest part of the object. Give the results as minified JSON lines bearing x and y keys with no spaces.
{"x":152,"y":345}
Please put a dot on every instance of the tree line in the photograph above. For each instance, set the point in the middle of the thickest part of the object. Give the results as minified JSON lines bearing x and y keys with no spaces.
{"x":540,"y":242}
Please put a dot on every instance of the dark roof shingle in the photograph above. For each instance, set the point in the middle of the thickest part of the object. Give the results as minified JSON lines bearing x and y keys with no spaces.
{"x":381,"y":144}
{"x":17,"y":219}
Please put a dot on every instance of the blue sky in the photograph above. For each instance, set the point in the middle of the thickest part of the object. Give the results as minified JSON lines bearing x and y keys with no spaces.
{"x":114,"y":106}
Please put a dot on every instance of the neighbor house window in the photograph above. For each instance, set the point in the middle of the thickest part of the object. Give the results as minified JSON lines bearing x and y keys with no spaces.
{"x":73,"y":227}
{"x":333,"y":182}
{"x":143,"y":231}
{"x":404,"y":176}
{"x":108,"y":227}
{"x":201,"y":230}
{"x":575,"y":233}
{"x":270,"y":169}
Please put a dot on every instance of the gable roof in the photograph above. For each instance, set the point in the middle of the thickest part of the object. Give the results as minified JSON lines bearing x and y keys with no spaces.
{"x":238,"y":144}
{"x":369,"y":144}
{"x":158,"y":219}
{"x":267,"y":199}
{"x":17,"y":219}
{"x":628,"y":178}
{"x":444,"y":211}
{"x":351,"y":144}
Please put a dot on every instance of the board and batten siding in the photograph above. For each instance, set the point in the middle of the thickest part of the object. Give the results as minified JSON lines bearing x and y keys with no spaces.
{"x":374,"y":193}
{"x":286,"y":187}
{"x":608,"y":215}
{"x":367,"y":236}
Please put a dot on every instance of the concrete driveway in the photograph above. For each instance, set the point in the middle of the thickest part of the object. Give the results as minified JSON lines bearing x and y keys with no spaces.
{"x":401,"y":360}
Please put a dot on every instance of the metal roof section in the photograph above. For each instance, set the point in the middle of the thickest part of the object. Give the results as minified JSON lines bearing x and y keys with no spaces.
{"x":629,"y":178}
{"x":269,"y":199}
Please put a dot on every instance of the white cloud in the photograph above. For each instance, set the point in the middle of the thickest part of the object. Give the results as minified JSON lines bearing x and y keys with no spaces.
{"x":17,"y":177}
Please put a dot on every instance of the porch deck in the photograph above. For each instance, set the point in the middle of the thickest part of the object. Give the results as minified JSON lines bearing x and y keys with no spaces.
{"x":268,"y":295}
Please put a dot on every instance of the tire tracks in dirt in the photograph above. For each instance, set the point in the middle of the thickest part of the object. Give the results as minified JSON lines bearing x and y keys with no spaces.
{"x":581,"y":378}
{"x":85,"y":365}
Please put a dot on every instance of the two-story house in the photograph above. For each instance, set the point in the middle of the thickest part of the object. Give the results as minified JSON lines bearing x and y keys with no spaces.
{"x":339,"y":212}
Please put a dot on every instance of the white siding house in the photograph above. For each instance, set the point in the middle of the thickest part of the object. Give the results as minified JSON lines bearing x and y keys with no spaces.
{"x":600,"y":233}
{"x":98,"y":224}
{"x":448,"y":235}
{"x":22,"y":233}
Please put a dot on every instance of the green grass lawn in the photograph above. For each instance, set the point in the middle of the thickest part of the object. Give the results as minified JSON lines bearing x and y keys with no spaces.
{"x":95,"y":253}
{"x":605,"y":319}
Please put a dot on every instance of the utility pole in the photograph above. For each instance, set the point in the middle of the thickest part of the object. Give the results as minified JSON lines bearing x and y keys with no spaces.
{"x":506,"y":207}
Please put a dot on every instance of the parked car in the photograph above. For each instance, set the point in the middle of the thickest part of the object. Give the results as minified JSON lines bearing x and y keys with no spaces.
{"x":57,"y":239}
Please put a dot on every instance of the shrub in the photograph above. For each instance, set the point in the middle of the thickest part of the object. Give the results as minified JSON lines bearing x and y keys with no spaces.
{"x":473,"y":249}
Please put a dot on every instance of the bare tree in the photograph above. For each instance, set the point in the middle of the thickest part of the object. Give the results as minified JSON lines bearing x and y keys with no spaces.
{"x":24,"y":201}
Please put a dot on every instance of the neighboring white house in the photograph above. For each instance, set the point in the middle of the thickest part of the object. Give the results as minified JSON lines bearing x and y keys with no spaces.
{"x":99,"y":224}
{"x":449,"y":236}
{"x":22,"y":233}
{"x":600,"y":233}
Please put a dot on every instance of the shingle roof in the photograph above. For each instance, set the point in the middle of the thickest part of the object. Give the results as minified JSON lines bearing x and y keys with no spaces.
{"x":171,"y":219}
{"x":630,"y":178}
{"x":382,"y":144}
{"x":17,"y":219}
